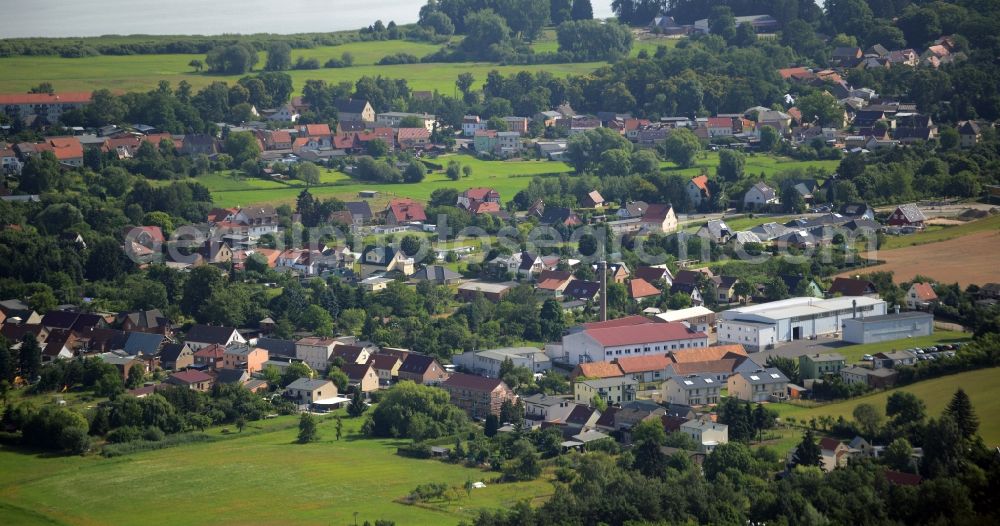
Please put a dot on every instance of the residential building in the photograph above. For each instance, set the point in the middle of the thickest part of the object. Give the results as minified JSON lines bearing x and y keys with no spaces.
{"x":969,"y":134}
{"x":692,"y":389}
{"x":209,"y":358}
{"x":716,"y":231}
{"x":472,"y":124}
{"x":659,"y":219}
{"x":920,"y":296}
{"x":201,"y":336}
{"x":357,"y":354}
{"x":759,"y":196}
{"x":384,"y":260}
{"x":698,"y":190}
{"x":355,"y":110}
{"x":607,"y":340}
{"x":706,"y":434}
{"x":305,"y":391}
{"x":853,"y":287}
{"x":45,"y":105}
{"x":422,"y":369}
{"x":247,"y":358}
{"x":639,"y":289}
{"x":192,"y":379}
{"x":760,"y":327}
{"x":908,"y":215}
{"x":410,"y":138}
{"x":762,"y":385}
{"x":697,"y":318}
{"x":476,"y":395}
{"x":890,"y":360}
{"x":362,"y":377}
{"x":392,"y":119}
{"x":488,"y":363}
{"x":438,"y":274}
{"x":818,"y":365}
{"x":889,"y":327}
{"x":485,"y":141}
{"x":492,"y":291}
{"x":611,"y":390}
{"x":176,"y":356}
{"x":834,"y":453}
{"x":386,"y":367}
{"x":403,"y":211}
{"x":315,"y":351}
{"x":880,"y":378}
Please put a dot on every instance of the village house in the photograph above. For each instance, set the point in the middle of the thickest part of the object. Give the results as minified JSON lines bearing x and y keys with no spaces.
{"x":476,"y":395}
{"x":907,"y":216}
{"x":201,"y":336}
{"x":250,"y":359}
{"x":306,"y":391}
{"x":488,"y":362}
{"x":392,"y":119}
{"x":659,"y":219}
{"x":410,"y":138}
{"x":759,"y":196}
{"x":639,"y":289}
{"x":491,"y":291}
{"x":386,"y":367}
{"x":833,"y":453}
{"x":357,"y":110}
{"x":852,"y":287}
{"x":209,"y":358}
{"x":422,"y":369}
{"x":880,"y":378}
{"x":385,"y":259}
{"x":362,"y":377}
{"x":192,"y":379}
{"x":145,"y":321}
{"x":176,"y":356}
{"x":762,"y":385}
{"x":611,"y":390}
{"x":716,"y":231}
{"x":471,"y":124}
{"x":706,"y":434}
{"x":920,"y":296}
{"x":467,"y":199}
{"x":403,"y":211}
{"x":692,"y":390}
{"x":698,"y":191}
{"x":356,"y":354}
{"x":818,"y":365}
{"x":315,"y":351}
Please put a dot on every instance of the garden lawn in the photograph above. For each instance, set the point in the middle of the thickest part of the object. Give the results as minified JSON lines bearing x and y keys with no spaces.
{"x":756,"y":163}
{"x":144,"y":72}
{"x":507,"y":177}
{"x":981,"y":386}
{"x":255,"y":478}
{"x":936,"y":233}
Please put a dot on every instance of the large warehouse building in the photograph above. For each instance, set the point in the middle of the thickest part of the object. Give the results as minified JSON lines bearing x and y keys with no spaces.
{"x":761,"y":327}
{"x":897,"y":326}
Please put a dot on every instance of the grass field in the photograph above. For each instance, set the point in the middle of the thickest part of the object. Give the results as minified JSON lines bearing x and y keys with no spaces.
{"x":506,"y":177}
{"x":143,"y":72}
{"x":936,"y":234}
{"x":258,"y":478}
{"x":756,"y":164}
{"x":854,"y":353}
{"x":981,"y":385}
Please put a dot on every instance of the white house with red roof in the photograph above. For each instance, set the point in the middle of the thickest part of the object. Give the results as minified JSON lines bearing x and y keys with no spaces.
{"x":470,"y":197}
{"x":632,"y":336}
{"x":698,"y":190}
{"x":49,"y":105}
{"x":720,"y":126}
{"x":659,"y":218}
{"x":920,"y":296}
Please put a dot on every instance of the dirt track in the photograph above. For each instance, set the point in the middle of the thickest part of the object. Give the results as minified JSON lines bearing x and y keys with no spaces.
{"x":974,"y":258}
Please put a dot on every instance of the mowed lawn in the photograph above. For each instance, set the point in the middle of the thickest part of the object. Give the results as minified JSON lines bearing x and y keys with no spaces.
{"x":507,"y":177}
{"x":144,"y":72}
{"x":262,"y":478}
{"x":981,"y":385}
{"x":756,"y":163}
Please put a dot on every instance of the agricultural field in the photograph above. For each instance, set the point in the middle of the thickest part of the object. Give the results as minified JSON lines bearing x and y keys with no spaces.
{"x":143,"y":72}
{"x":963,"y":258}
{"x":981,"y":385}
{"x":938,"y":233}
{"x":261,"y":476}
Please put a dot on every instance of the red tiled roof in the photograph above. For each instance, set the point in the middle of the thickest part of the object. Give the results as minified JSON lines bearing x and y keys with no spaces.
{"x":191,"y":376}
{"x":924,"y":291}
{"x":706,"y":354}
{"x":550,"y":284}
{"x":638,"y":364}
{"x":725,"y":365}
{"x":66,"y":147}
{"x":45,"y":98}
{"x":903,"y":479}
{"x":281,"y":136}
{"x":155,"y":233}
{"x":646,"y":333}
{"x":484,"y":207}
{"x":413,"y":134}
{"x":212,"y":351}
{"x":720,"y":122}
{"x":479,"y":194}
{"x":656,"y":212}
{"x":316,"y":130}
{"x":640,"y":288}
{"x":472,"y":382}
{"x":599,"y":370}
{"x":829,"y":444}
{"x":406,"y":210}
{"x":701,"y":182}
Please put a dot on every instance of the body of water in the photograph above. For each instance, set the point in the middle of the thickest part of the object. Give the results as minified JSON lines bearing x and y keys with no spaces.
{"x":78,"y":18}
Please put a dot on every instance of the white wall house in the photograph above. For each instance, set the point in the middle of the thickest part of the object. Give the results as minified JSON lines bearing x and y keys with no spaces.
{"x":594,"y":345}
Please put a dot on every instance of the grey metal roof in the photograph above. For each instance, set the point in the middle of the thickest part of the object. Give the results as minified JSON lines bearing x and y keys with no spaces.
{"x":764,"y":376}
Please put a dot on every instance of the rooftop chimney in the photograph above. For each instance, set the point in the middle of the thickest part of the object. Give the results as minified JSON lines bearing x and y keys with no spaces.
{"x":602,"y":269}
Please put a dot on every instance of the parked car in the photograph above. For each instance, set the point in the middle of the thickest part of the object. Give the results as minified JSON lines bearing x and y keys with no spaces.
{"x":919,"y":351}
{"x":931,"y":349}
{"x":867,"y":357}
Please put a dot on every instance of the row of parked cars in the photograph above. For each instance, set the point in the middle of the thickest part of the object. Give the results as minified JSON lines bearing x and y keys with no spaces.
{"x":928,"y":353}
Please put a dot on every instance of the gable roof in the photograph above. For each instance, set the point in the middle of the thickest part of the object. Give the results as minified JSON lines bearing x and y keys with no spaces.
{"x":147,"y":319}
{"x":829,"y":444}
{"x":231,"y":376}
{"x":557,"y":214}
{"x":582,"y":289}
{"x":912,"y":213}
{"x":143,"y":342}
{"x":765,"y":190}
{"x":650,"y":274}
{"x":436,"y":273}
{"x":172,"y":351}
{"x":852,"y":287}
{"x":656,"y":213}
{"x":210,"y":334}
{"x":384,"y":361}
{"x":639,"y":364}
{"x":356,"y":371}
{"x":190,"y":376}
{"x":580,"y":415}
{"x":701,"y":182}
{"x":640,"y":288}
{"x":705,"y":354}
{"x":405,"y":209}
{"x":307,"y":384}
{"x":351,"y":105}
{"x":417,"y":364}
{"x":924,"y":291}
{"x":276,"y":347}
{"x":600,"y":369}
{"x":472,"y":382}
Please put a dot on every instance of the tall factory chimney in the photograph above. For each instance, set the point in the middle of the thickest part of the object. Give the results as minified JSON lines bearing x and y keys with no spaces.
{"x":602,"y":270}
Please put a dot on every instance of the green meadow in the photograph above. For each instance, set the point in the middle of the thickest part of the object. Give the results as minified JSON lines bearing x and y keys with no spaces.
{"x":981,"y":385}
{"x":143,"y":72}
{"x":258,"y":477}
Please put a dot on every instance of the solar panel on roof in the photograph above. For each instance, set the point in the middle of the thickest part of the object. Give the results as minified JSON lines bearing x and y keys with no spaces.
{"x":754,"y":378}
{"x":708,"y":380}
{"x":775,"y":375}
{"x":688,"y":382}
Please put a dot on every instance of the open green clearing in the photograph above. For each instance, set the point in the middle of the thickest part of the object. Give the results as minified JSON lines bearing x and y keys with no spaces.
{"x":143,"y":72}
{"x":854,"y":353}
{"x":936,"y":233}
{"x":981,"y":385}
{"x":507,"y":177}
{"x":262,"y":477}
